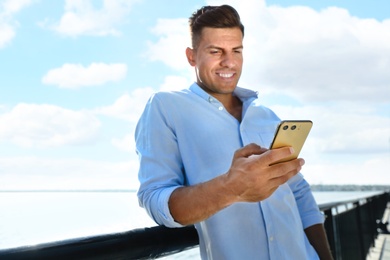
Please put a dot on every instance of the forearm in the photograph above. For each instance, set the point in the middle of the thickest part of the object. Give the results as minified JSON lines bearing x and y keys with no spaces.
{"x":251,"y":178}
{"x":189,"y":205}
{"x":317,"y":238}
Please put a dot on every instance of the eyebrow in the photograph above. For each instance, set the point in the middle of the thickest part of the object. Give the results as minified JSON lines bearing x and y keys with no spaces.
{"x":220,"y":48}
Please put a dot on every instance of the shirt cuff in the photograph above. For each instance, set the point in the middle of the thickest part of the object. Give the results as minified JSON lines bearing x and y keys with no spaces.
{"x":313,"y":219}
{"x":164,"y":217}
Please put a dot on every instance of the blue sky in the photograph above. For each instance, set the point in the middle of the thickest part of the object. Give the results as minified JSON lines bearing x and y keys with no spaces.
{"x":75,"y":75}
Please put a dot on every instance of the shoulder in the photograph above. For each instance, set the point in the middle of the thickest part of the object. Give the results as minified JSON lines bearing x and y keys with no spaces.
{"x":170,"y":99}
{"x":164,"y":103}
{"x":264,"y":110}
{"x":170,"y":95}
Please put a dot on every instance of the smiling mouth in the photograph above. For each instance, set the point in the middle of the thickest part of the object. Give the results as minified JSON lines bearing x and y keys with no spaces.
{"x":226,"y":75}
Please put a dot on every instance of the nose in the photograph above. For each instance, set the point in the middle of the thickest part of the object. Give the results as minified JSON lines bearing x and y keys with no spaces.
{"x":228,"y":60}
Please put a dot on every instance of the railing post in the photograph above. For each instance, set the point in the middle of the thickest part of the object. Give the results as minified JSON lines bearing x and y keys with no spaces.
{"x":359,"y":230}
{"x":330,"y":231}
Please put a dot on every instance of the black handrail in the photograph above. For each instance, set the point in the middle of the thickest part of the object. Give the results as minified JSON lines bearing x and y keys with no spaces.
{"x":144,"y":243}
{"x":351,"y":231}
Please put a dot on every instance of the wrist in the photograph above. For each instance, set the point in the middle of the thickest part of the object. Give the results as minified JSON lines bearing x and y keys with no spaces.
{"x":229,"y":189}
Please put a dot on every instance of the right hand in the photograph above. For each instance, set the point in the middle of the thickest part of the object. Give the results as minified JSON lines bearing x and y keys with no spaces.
{"x":252,"y":179}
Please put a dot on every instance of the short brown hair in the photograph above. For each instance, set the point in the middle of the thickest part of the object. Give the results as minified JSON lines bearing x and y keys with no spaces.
{"x":223,"y":16}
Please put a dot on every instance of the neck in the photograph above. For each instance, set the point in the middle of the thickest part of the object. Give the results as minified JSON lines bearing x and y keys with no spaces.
{"x":232,"y":104}
{"x":235,"y":108}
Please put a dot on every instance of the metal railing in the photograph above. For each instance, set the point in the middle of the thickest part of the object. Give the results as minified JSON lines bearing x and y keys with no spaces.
{"x":350,"y":225}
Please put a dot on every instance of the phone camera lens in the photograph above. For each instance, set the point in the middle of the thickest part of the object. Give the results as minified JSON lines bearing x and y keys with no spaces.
{"x":293,"y":127}
{"x":285,"y":127}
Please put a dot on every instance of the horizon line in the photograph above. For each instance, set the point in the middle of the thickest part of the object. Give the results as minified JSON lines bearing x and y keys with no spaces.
{"x":69,"y":190}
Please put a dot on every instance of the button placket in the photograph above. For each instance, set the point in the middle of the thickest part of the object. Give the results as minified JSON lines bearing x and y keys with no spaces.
{"x":216,"y":103}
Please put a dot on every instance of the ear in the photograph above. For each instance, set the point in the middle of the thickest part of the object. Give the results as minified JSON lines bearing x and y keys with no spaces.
{"x":190,"y":56}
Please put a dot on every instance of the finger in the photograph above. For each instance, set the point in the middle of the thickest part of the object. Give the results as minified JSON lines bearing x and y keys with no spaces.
{"x":277,"y":154}
{"x":274,"y":183}
{"x":249,"y":150}
{"x":287,"y":169}
{"x":281,"y":180}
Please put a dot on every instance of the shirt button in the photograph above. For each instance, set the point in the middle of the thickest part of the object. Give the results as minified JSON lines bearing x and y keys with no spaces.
{"x":220,"y":108}
{"x":271,"y":239}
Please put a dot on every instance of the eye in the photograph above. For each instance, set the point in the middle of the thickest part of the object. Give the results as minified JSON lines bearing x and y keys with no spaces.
{"x":215,"y":51}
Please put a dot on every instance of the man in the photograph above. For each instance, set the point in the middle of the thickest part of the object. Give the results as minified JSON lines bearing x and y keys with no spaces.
{"x":203,"y":158}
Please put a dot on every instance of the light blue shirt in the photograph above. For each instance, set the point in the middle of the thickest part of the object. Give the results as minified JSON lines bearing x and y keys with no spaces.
{"x":187,"y":137}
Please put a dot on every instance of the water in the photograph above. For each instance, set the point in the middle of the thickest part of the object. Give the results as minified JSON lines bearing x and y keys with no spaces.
{"x":29,"y":218}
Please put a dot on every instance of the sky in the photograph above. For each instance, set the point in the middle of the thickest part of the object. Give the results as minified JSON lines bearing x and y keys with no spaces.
{"x":75,"y":76}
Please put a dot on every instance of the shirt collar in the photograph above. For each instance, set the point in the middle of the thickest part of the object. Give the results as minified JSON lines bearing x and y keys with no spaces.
{"x":242,"y":93}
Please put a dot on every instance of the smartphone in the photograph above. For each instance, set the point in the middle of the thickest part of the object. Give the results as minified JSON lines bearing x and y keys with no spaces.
{"x":292,"y":133}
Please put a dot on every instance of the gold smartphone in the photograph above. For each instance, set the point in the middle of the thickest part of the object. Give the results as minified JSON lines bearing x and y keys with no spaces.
{"x":292,"y":133}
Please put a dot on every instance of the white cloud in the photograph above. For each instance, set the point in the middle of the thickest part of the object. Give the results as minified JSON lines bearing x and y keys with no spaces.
{"x":81,"y":17}
{"x":172,"y":83}
{"x":46,"y":173}
{"x":171,"y":46}
{"x":14,"y":6}
{"x":319,"y":56}
{"x":30,"y":125}
{"x":76,"y":75}
{"x":8,"y":9}
{"x":342,"y":128}
{"x":126,"y":144}
{"x":129,"y":106}
{"x":7,"y":33}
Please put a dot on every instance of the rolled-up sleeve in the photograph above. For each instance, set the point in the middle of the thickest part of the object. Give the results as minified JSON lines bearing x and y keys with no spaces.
{"x":307,"y":206}
{"x":161,"y":170}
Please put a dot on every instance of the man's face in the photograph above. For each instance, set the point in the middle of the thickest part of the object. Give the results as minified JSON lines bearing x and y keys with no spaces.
{"x":218,"y":60}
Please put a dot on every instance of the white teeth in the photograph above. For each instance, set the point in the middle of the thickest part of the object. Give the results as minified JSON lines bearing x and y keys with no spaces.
{"x":226,"y":75}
